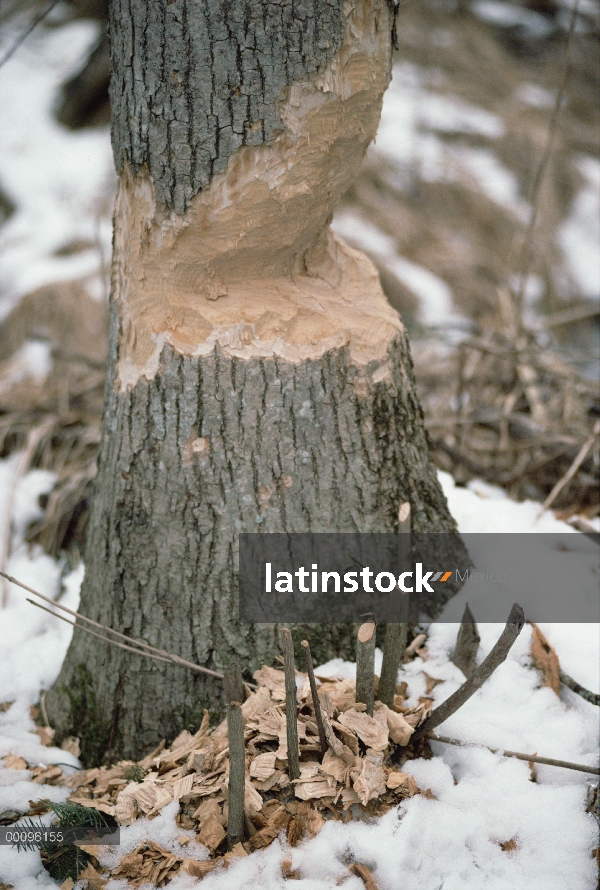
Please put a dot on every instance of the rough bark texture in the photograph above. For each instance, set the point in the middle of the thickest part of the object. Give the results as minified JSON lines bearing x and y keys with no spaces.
{"x":211,"y":447}
{"x":258,"y":379}
{"x":194,"y":80}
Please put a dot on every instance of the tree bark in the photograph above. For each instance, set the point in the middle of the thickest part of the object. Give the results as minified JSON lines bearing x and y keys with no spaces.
{"x":259,"y":381}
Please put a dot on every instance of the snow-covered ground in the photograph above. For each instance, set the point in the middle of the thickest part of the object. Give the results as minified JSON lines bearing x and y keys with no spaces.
{"x":480,"y":800}
{"x":452,"y":841}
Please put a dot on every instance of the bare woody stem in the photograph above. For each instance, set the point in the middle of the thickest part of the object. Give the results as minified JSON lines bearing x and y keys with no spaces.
{"x":131,"y":642}
{"x":574,"y":686}
{"x":394,"y":645}
{"x":365,"y":665}
{"x":315,"y":696}
{"x":237,"y":774}
{"x":530,"y":758}
{"x":291,"y":719}
{"x":513,"y":628}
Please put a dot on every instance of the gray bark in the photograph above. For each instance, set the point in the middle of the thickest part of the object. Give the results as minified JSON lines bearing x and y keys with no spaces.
{"x":217,"y":445}
{"x":194,"y":80}
{"x":162,"y":538}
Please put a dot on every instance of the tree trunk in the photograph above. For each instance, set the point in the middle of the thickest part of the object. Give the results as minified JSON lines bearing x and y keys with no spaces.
{"x":259,"y":380}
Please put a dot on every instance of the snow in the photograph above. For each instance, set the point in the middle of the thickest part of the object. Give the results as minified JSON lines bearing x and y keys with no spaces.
{"x":435,"y":295}
{"x":481,"y":799}
{"x":56,"y":178}
{"x":579,"y":236}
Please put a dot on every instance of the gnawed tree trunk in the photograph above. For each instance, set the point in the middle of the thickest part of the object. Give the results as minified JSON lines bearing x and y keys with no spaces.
{"x":259,"y":380}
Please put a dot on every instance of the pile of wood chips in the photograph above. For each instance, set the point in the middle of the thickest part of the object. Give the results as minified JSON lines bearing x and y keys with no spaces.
{"x":355,"y":778}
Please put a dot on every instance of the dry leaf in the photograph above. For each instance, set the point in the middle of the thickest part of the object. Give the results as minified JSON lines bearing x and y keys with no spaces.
{"x":5,"y":705}
{"x":545,"y":659}
{"x":93,"y":877}
{"x":364,"y":872}
{"x":46,"y":734}
{"x":13,"y":761}
{"x":66,"y":885}
{"x":397,"y":780}
{"x":508,"y":846}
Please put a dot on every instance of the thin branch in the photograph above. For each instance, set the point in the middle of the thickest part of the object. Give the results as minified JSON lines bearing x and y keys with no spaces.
{"x":315,"y":696}
{"x":93,"y":633}
{"x":291,"y":720}
{"x":583,"y":452}
{"x":530,"y":758}
{"x":513,"y":628}
{"x":574,"y":686}
{"x":27,"y":31}
{"x":174,"y":659}
{"x":525,"y":260}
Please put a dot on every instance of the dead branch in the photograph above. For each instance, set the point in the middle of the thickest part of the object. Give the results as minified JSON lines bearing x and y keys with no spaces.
{"x":530,"y":758}
{"x":513,"y":628}
{"x":467,"y":644}
{"x":290,"y":704}
{"x":574,"y":686}
{"x":147,"y":649}
{"x":583,"y":452}
{"x":315,"y":696}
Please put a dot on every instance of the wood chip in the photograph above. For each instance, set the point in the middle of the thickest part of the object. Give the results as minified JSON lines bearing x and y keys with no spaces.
{"x":13,"y":761}
{"x":373,"y":731}
{"x":263,"y":766}
{"x":545,"y":659}
{"x":269,"y":677}
{"x":199,"y":869}
{"x":71,"y":744}
{"x":399,"y":729}
{"x":46,"y":734}
{"x":212,"y":833}
{"x":363,"y":872}
{"x":253,"y":802}
{"x":371,"y":781}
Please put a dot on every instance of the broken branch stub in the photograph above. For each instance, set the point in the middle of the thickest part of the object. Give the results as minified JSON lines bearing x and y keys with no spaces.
{"x":467,"y":644}
{"x":365,"y":665}
{"x":513,"y":628}
{"x":237,"y":774}
{"x":315,"y":696}
{"x":291,"y":724}
{"x":394,"y":645}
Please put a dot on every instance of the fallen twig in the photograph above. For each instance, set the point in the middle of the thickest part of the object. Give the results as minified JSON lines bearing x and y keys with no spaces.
{"x":530,"y":758}
{"x":394,"y":645}
{"x":574,"y":686}
{"x":315,"y":696}
{"x":513,"y":628}
{"x":583,"y":452}
{"x":147,"y":649}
